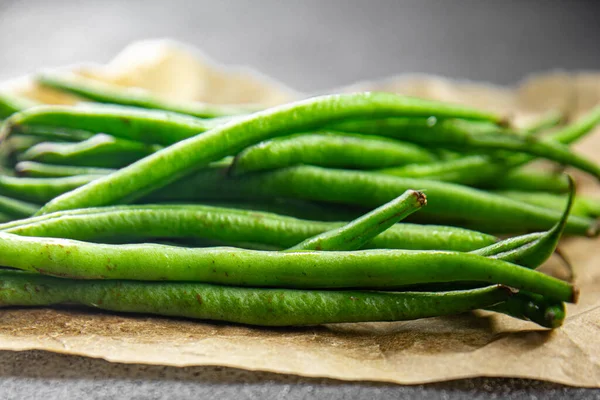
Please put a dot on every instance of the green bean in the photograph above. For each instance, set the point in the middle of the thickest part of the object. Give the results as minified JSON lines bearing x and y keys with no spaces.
{"x":530,"y":180}
{"x":460,"y":135}
{"x":145,"y":126}
{"x":40,"y":170}
{"x":357,"y":233}
{"x":20,"y":143}
{"x":329,"y":149}
{"x":479,"y":168}
{"x":583,"y":206}
{"x":40,"y":190}
{"x":535,"y":253}
{"x":535,"y":308}
{"x":230,"y":226}
{"x":107,"y":93}
{"x":52,"y":133}
{"x":100,"y":150}
{"x":180,"y":159}
{"x":15,"y":208}
{"x":446,"y":201}
{"x":366,"y":269}
{"x":10,"y":104}
{"x":254,"y":306}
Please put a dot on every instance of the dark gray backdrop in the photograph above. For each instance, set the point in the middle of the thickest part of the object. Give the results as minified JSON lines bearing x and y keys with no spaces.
{"x":311,"y":45}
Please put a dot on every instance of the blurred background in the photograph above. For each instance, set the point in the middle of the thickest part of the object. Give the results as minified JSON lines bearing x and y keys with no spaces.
{"x":315,"y":44}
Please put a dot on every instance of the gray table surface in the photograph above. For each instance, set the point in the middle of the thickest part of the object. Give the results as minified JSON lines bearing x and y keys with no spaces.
{"x":311,"y":45}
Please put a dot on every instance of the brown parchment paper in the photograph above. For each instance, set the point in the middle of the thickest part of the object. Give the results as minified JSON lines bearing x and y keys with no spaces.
{"x":470,"y":345}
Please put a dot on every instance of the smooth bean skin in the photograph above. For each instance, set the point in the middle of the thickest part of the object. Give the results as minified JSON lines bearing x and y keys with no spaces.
{"x":185,"y":157}
{"x":254,"y":306}
{"x":34,"y":169}
{"x":40,"y":190}
{"x":459,"y":135}
{"x":10,"y":104}
{"x":484,"y":170}
{"x":334,"y":150}
{"x":107,"y":93}
{"x":51,"y":132}
{"x":446,"y":200}
{"x":228,"y":225}
{"x":144,"y":126}
{"x":365,"y":269}
{"x":16,"y":208}
{"x":360,"y":231}
{"x":102,"y":151}
{"x":530,"y":180}
{"x":583,"y":206}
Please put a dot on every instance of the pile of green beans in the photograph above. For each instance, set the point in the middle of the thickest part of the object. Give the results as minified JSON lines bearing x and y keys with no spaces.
{"x":340,"y":208}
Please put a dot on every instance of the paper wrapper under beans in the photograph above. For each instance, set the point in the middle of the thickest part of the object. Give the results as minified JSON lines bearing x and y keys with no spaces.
{"x":472,"y":345}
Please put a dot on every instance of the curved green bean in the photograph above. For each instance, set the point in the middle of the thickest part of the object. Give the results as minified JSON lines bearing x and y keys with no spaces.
{"x":145,"y":126}
{"x":335,"y":150}
{"x":229,"y":226}
{"x":10,"y":104}
{"x":367,"y":269}
{"x":458,"y":203}
{"x":254,"y":306}
{"x":108,"y":93}
{"x":180,"y":159}
{"x":357,"y":233}
{"x":103,"y":151}
{"x":40,"y":170}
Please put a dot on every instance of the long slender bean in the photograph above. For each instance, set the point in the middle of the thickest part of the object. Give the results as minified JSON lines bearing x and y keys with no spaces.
{"x":583,"y":206}
{"x":482,"y":169}
{"x":367,"y":269}
{"x":10,"y":104}
{"x":40,"y":190}
{"x":357,"y":233}
{"x":103,"y":151}
{"x":107,"y":93}
{"x":40,"y":170}
{"x":329,"y":149}
{"x":228,"y":226}
{"x":180,"y":159}
{"x":16,"y":208}
{"x":530,"y":180}
{"x":446,"y":201}
{"x":255,"y":306}
{"x":145,"y":126}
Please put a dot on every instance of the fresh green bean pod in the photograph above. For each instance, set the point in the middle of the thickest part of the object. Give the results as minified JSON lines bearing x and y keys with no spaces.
{"x":145,"y":126}
{"x":534,"y":308}
{"x":254,"y":306}
{"x":112,"y":94}
{"x":10,"y":104}
{"x":366,"y":269}
{"x":364,"y":229}
{"x":40,"y":190}
{"x":481,"y":169}
{"x":534,"y":254}
{"x":530,"y":180}
{"x":17,"y":209}
{"x":329,"y":149}
{"x":40,"y":170}
{"x":183,"y":158}
{"x":583,"y":206}
{"x":52,"y":133}
{"x":447,"y":201}
{"x":229,"y":226}
{"x":460,"y":135}
{"x":103,"y":151}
